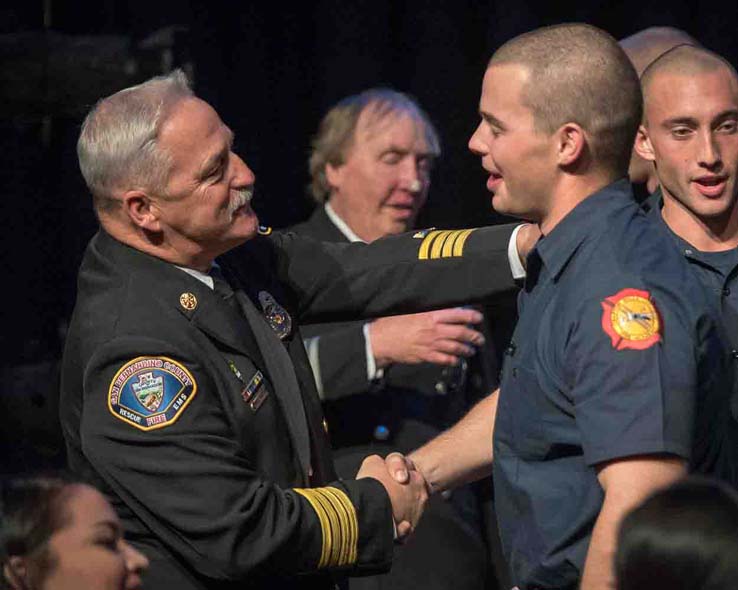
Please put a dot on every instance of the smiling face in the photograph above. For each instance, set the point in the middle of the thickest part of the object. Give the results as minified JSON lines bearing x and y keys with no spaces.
{"x":384,"y":179}
{"x":206,"y":209}
{"x":89,"y":550}
{"x":691,"y":133}
{"x":519,"y":159}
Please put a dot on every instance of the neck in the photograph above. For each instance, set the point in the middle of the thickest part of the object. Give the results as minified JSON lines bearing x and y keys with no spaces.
{"x":705,"y":234}
{"x":344,"y":212}
{"x":569,"y":191}
{"x":174,"y":250}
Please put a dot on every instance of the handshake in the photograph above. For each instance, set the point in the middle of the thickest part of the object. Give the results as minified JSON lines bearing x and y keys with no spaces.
{"x":407,"y":488}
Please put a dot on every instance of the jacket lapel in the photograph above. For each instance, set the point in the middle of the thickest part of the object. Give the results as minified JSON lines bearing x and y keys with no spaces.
{"x":282,"y":372}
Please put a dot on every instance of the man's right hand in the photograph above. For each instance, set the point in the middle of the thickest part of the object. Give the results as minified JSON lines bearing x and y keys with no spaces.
{"x":441,"y":337}
{"x":408,"y":499}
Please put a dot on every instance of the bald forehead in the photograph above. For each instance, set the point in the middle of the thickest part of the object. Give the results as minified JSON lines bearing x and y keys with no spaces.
{"x":645,"y":46}
{"x":685,"y":61}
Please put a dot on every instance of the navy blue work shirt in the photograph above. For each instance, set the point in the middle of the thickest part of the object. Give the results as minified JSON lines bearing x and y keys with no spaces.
{"x":603,"y":365}
{"x":717,"y":271}
{"x":716,"y":449}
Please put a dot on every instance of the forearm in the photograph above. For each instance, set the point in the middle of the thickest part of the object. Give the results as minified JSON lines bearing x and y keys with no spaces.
{"x":463,"y":453}
{"x":598,"y":567}
{"x":626,"y":483}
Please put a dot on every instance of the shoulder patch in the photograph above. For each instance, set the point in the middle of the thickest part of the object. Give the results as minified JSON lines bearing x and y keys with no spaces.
{"x":151,"y":392}
{"x":631,"y":320}
{"x":422,"y":233}
{"x":264,"y":230}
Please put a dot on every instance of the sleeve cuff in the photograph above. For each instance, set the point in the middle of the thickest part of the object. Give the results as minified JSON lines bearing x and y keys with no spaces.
{"x":516,"y":265}
{"x":372,"y":372}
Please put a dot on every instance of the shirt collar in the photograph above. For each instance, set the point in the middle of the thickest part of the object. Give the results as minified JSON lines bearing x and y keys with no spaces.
{"x":557,"y":248}
{"x":341,"y":224}
{"x":653,"y":207}
{"x":203,"y":277}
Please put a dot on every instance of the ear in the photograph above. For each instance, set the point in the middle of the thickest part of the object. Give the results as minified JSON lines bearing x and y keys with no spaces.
{"x":141,"y":210}
{"x":15,"y":572}
{"x":334,"y":175}
{"x":570,"y":144}
{"x":643,"y":145}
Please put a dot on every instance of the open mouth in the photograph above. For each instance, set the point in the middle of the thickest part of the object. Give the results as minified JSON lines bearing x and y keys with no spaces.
{"x":494,"y":181}
{"x":711,"y":186}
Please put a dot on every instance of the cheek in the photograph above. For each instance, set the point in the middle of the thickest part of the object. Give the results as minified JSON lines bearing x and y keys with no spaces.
{"x":90,"y":569}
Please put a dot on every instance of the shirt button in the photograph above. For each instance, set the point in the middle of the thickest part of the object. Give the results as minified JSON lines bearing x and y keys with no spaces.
{"x":441,"y":388}
{"x":381,"y":432}
{"x":726,"y":291}
{"x":688,"y":252}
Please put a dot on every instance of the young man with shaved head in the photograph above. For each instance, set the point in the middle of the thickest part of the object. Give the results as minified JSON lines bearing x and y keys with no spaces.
{"x":642,"y":48}
{"x":596,"y":403}
{"x":689,"y":136}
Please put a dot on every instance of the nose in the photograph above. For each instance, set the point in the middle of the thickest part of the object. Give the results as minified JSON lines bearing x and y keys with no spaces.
{"x":413,"y":175}
{"x":709,"y":154}
{"x":242,"y":175}
{"x":134,"y":559}
{"x":476,"y":145}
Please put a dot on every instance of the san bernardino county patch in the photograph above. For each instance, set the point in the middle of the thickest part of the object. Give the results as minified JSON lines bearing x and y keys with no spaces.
{"x":151,"y":392}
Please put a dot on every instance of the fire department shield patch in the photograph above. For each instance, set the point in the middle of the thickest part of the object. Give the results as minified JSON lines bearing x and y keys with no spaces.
{"x":631,"y":320}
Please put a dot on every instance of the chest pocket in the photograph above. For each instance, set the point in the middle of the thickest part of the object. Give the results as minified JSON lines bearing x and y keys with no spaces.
{"x":529,"y":412}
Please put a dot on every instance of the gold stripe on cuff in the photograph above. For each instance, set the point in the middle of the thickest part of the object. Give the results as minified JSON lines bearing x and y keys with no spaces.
{"x":339,"y":525}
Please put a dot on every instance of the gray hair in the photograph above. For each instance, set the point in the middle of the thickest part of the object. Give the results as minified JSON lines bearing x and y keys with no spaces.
{"x":117,"y":147}
{"x":336,"y":132}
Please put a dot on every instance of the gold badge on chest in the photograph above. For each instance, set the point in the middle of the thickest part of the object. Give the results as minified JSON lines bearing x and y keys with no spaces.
{"x":276,"y":315}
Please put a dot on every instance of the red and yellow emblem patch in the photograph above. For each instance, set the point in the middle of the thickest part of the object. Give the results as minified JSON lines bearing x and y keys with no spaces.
{"x":631,"y":320}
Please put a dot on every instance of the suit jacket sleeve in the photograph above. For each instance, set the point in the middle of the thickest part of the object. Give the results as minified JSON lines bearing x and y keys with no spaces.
{"x":194,"y":486}
{"x":338,"y":358}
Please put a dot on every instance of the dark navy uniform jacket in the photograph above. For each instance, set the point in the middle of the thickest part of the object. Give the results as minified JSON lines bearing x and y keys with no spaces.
{"x":205,"y":429}
{"x":604,"y":364}
{"x":717,"y":451}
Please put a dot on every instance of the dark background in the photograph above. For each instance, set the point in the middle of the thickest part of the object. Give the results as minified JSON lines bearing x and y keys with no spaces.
{"x":271,"y":69}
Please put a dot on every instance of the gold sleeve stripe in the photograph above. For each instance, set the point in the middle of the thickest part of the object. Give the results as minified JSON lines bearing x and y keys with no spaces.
{"x":332,"y":540}
{"x":324,"y":525}
{"x":426,"y":243}
{"x":349,"y":513}
{"x":448,"y":245}
{"x":338,"y":523}
{"x":438,"y":244}
{"x":460,"y":241}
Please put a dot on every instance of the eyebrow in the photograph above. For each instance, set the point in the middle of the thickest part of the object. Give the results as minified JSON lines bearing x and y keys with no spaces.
{"x":213,"y":159}
{"x":490,"y":118}
{"x":396,"y":149}
{"x":110,"y":525}
{"x":691,"y":121}
{"x":680,"y":121}
{"x":727,"y":114}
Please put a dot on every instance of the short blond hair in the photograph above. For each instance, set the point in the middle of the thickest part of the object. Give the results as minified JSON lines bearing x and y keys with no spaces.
{"x":579,"y":74}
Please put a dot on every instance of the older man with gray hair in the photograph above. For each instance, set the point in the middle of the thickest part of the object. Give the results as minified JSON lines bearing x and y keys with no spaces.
{"x":186,"y":391}
{"x":395,"y":382}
